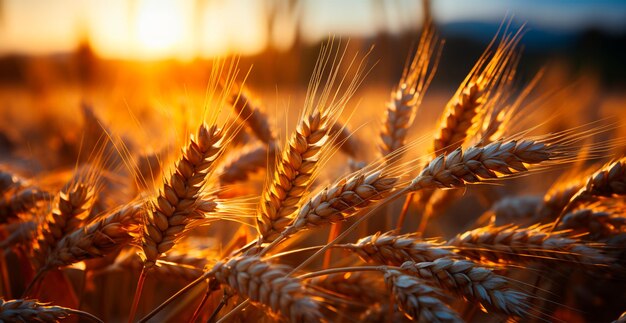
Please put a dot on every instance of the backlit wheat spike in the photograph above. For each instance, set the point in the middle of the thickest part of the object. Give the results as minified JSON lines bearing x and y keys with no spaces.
{"x":362,"y":286}
{"x":177,"y":204}
{"x":247,"y":163}
{"x":407,"y":96}
{"x":107,"y":234}
{"x":28,"y":310}
{"x":292,"y":175}
{"x":390,"y":249}
{"x":298,"y":162}
{"x":343,"y":199}
{"x":561,"y":192}
{"x":520,"y":210}
{"x":525,"y":245}
{"x":608,"y":181}
{"x":472,"y":281}
{"x":21,"y":202}
{"x":488,"y":77}
{"x":254,"y":118}
{"x":621,"y":318}
{"x":21,"y":233}
{"x":345,"y":140}
{"x":601,"y":221}
{"x":418,"y":301}
{"x":476,"y":164}
{"x":270,"y":286}
{"x":71,"y":208}
{"x":10,"y":181}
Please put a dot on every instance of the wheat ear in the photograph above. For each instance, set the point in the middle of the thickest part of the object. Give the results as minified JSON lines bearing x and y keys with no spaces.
{"x":599,"y":220}
{"x":244,"y":165}
{"x":477,"y":164}
{"x":524,"y":245}
{"x":418,"y":301}
{"x":29,"y":310}
{"x":112,"y":231}
{"x":71,"y":208}
{"x":473,"y":281}
{"x":339,"y":201}
{"x":608,"y":181}
{"x":21,"y":202}
{"x":407,"y":96}
{"x":252,"y":116}
{"x":460,"y":118}
{"x":391,"y":249}
{"x":21,"y":232}
{"x":177,"y":204}
{"x":269,"y":285}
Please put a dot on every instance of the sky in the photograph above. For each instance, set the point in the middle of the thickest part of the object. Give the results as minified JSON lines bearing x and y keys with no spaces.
{"x":184,"y":29}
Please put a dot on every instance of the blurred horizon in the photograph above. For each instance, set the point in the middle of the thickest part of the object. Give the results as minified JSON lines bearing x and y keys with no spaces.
{"x":193,"y":29}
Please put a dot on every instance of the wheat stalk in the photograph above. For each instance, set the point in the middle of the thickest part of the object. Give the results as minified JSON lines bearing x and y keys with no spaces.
{"x":178,"y":202}
{"x":269,"y":285}
{"x":418,"y":301}
{"x":524,"y":245}
{"x":390,"y":249}
{"x":472,"y":281}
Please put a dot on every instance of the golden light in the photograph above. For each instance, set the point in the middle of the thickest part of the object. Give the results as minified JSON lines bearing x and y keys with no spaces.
{"x":160,"y":29}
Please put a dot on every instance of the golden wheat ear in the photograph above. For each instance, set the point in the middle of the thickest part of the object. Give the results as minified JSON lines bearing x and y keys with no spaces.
{"x":179,"y":202}
{"x":270,"y":286}
{"x":30,"y":310}
{"x":486,"y":81}
{"x":409,"y":93}
{"x":309,"y":146}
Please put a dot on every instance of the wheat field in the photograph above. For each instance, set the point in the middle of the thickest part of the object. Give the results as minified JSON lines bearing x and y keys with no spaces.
{"x":497,"y":202}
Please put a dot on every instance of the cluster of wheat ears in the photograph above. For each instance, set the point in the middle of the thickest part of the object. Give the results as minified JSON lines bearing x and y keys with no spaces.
{"x":504,"y":265}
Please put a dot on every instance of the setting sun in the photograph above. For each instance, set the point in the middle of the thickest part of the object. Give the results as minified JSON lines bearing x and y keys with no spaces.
{"x":159,"y":28}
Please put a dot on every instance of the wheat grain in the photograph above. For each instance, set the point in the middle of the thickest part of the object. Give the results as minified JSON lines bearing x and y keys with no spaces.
{"x":472,"y":281}
{"x":270,"y":286}
{"x":418,"y":301}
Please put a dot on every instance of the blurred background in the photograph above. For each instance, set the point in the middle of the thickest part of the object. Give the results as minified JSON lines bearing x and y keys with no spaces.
{"x":143,"y":56}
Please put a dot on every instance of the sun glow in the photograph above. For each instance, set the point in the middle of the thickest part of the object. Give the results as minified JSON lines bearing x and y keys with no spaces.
{"x":160,"y":29}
